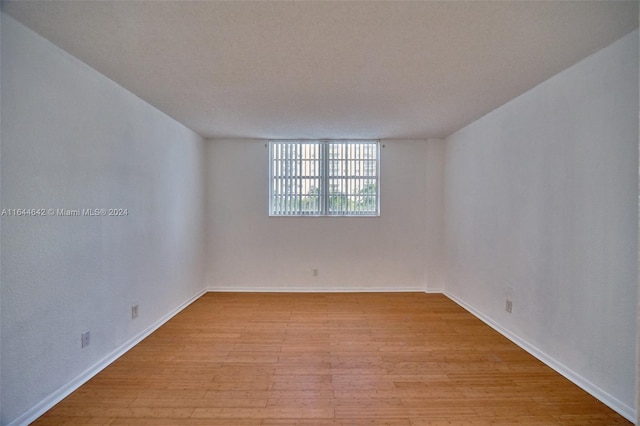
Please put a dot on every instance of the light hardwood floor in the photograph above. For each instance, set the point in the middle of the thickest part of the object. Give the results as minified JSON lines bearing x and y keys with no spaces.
{"x":328,"y":359}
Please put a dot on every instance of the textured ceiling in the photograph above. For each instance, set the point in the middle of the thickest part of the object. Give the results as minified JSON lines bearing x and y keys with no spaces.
{"x":328,"y":69}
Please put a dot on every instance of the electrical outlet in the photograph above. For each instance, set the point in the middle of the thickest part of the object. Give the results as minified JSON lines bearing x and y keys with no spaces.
{"x":508,"y":306}
{"x":315,"y":272}
{"x":85,"y":338}
{"x":134,"y":311}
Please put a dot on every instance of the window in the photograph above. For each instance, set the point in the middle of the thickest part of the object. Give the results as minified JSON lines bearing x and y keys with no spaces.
{"x":324,"y":178}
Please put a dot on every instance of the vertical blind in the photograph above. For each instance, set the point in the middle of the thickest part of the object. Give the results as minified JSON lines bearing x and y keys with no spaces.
{"x":324,"y":178}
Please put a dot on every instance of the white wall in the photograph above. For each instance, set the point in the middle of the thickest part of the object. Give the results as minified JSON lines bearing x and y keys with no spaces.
{"x":247,"y":249}
{"x":73,"y":139}
{"x":0,"y":220}
{"x":434,"y":260}
{"x":541,"y":207}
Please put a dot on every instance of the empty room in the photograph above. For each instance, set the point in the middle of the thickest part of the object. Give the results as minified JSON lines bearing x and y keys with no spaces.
{"x":319,"y":212}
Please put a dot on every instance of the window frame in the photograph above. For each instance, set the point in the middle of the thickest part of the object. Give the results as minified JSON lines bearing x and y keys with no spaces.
{"x":324,"y":177}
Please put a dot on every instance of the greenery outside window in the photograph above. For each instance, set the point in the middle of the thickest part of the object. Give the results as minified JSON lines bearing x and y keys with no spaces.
{"x":324,"y":178}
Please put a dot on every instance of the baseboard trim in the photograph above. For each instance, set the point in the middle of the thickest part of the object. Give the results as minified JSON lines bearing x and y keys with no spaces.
{"x":612,"y":402}
{"x":40,"y":408}
{"x":249,"y":289}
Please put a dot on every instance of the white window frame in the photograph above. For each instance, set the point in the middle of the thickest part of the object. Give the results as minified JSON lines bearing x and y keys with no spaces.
{"x":319,"y":164}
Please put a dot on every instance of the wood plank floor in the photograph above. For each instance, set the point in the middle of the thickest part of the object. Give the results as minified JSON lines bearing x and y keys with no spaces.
{"x":328,"y":359}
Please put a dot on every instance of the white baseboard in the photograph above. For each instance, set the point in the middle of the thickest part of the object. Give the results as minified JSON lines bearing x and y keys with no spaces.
{"x":40,"y":408}
{"x":615,"y":404}
{"x":254,"y":289}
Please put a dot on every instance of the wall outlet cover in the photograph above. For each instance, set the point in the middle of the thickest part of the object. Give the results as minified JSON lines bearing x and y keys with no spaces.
{"x":85,"y":339}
